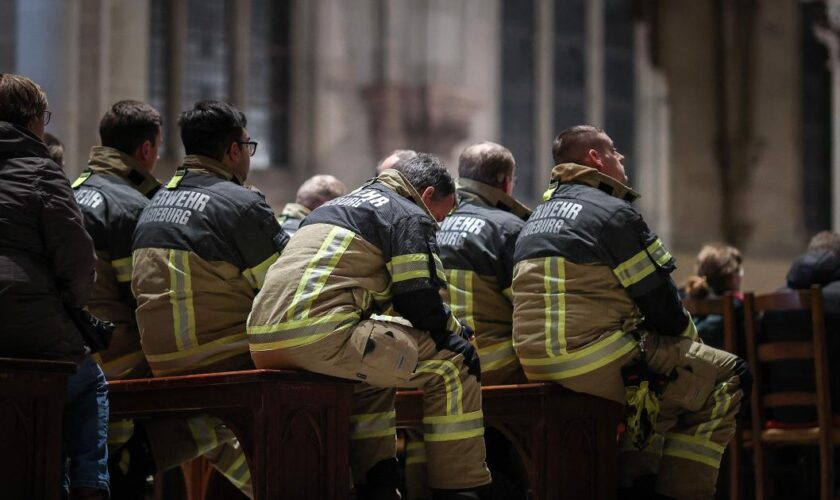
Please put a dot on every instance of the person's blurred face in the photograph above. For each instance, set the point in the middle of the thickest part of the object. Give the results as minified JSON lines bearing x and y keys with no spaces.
{"x":238,"y":156}
{"x":607,"y":160}
{"x":439,"y":208}
{"x":148,"y":153}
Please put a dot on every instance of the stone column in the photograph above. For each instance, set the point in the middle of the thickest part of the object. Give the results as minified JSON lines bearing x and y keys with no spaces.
{"x":831,"y":39}
{"x":129,"y":54}
{"x":594,"y":59}
{"x":544,"y":81}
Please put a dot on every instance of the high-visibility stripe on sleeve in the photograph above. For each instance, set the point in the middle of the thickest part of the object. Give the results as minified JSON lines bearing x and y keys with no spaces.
{"x":373,"y":425}
{"x":181,"y":298}
{"x":579,"y":362}
{"x":122,"y":269}
{"x":318,"y":270}
{"x":554,"y":282}
{"x":256,"y":275}
{"x":690,"y":331}
{"x":452,"y":382}
{"x":298,"y":332}
{"x":497,"y":355}
{"x":642,"y":265}
{"x":440,"y":271}
{"x":409,"y":267}
{"x":693,"y":448}
{"x":723,"y":401}
{"x":461,"y":295}
{"x":453,"y":427}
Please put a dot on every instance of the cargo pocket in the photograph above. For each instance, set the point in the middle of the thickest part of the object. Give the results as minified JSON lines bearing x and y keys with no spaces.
{"x":689,"y":390}
{"x":389,"y":355}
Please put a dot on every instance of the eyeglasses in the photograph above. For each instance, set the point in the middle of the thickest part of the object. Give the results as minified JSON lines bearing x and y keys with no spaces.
{"x":47,"y":115}
{"x":252,"y":146}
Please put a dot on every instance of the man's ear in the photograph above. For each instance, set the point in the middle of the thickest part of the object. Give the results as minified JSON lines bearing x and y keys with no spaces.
{"x":427,"y":194}
{"x":145,"y":150}
{"x":594,"y":159}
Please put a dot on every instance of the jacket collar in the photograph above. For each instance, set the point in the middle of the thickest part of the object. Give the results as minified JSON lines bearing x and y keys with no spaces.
{"x":295,"y":211}
{"x":396,"y":181}
{"x":105,"y":160}
{"x":472,"y":190}
{"x":18,"y":142}
{"x":210,"y":166}
{"x":572,"y":173}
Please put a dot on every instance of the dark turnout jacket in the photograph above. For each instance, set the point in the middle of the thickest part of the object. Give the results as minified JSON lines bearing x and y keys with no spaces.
{"x":46,"y":256}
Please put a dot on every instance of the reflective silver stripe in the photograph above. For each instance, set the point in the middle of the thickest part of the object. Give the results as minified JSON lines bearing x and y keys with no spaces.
{"x":300,"y":329}
{"x":555,"y":303}
{"x":583,"y":361}
{"x":372,"y":425}
{"x":451,"y":378}
{"x":318,"y":270}
{"x":497,"y":355}
{"x":453,"y":427}
{"x":122,"y":269}
{"x":181,"y":298}
{"x":692,"y":448}
{"x":203,"y":431}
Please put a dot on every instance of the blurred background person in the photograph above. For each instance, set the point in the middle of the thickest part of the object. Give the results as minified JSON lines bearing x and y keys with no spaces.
{"x":397,"y":159}
{"x":313,"y":193}
{"x":55,"y":148}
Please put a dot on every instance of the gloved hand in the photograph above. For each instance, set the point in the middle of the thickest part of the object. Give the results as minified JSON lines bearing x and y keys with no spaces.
{"x":467,"y":333}
{"x":456,"y":343}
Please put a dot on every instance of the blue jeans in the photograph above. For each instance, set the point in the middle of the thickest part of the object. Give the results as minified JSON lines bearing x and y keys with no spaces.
{"x":86,"y":428}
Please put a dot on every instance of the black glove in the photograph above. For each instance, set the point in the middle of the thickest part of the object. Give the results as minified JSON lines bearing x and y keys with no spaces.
{"x":95,"y":332}
{"x":467,"y":333}
{"x":456,"y":343}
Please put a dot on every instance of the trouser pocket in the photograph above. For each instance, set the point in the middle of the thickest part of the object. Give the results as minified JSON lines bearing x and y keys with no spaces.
{"x":388,"y":351}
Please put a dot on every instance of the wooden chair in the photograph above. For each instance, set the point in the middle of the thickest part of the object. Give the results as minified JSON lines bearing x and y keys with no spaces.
{"x":725,"y":307}
{"x":759,"y":352}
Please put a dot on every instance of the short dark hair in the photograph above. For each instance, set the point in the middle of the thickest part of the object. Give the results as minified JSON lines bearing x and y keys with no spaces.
{"x":825,"y":240}
{"x":21,"y":99}
{"x":571,"y":145}
{"x":485,"y":162}
{"x":128,"y":124}
{"x":55,"y":147}
{"x":210,"y":127}
{"x":426,"y":170}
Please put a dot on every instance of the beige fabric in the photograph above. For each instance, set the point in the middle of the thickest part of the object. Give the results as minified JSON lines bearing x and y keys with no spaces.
{"x":453,"y":463}
{"x":295,"y":211}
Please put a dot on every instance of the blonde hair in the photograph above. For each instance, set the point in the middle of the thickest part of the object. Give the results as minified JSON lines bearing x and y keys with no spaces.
{"x":717,"y":264}
{"x":21,"y":99}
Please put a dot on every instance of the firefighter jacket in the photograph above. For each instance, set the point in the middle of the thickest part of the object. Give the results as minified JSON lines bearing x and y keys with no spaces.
{"x":46,"y":256}
{"x":112,"y":192}
{"x":291,"y":217}
{"x":356,"y":255}
{"x":201,"y":251}
{"x":589,"y":272}
{"x":476,"y":246}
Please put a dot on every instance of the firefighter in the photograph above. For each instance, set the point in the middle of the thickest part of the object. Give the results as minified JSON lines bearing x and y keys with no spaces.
{"x":313,"y":193}
{"x":594,"y":305}
{"x":201,"y":250}
{"x":370,"y":252}
{"x":396,"y":159}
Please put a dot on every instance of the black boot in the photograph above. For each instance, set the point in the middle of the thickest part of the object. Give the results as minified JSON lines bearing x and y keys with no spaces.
{"x":383,"y":482}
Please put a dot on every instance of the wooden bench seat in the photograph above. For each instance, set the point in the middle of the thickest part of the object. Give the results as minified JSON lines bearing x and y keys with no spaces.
{"x":32,"y":397}
{"x":571,"y":448}
{"x":293,"y":426}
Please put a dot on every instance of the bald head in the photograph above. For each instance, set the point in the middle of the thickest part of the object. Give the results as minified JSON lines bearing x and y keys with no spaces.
{"x":318,"y":190}
{"x":397,"y":160}
{"x":487,"y":162}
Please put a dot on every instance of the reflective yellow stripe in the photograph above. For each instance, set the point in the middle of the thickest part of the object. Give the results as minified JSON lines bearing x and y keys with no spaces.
{"x":203,"y":355}
{"x":122,"y":268}
{"x":238,"y":472}
{"x":508,"y":293}
{"x":373,"y":425}
{"x":176,"y":179}
{"x":451,"y":377}
{"x":440,"y":271}
{"x":409,"y":267}
{"x":694,"y":449}
{"x":318,"y":271}
{"x":81,"y":179}
{"x":453,"y":325}
{"x":550,"y":191}
{"x":453,"y":427}
{"x":119,"y":367}
{"x":576,"y":363}
{"x":203,"y":431}
{"x":723,"y":400}
{"x":497,"y":355}
{"x":180,"y":296}
{"x":119,"y":432}
{"x":256,"y":275}
{"x":641,"y":265}
{"x":690,"y":331}
{"x":554,"y":281}
{"x":415,"y":453}
{"x":461,"y":295}
{"x":298,"y":332}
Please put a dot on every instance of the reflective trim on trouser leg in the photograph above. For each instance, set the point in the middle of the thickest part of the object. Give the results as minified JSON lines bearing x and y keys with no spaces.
{"x":451,"y":377}
{"x":693,"y":448}
{"x":203,"y":431}
{"x":415,"y":453}
{"x":229,"y":459}
{"x":119,"y":432}
{"x":453,"y":427}
{"x":373,"y":425}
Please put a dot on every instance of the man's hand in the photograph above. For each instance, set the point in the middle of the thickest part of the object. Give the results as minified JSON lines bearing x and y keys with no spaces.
{"x":456,"y":343}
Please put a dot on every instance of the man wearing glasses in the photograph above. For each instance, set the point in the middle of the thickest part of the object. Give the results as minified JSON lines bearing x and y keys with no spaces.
{"x":201,"y":251}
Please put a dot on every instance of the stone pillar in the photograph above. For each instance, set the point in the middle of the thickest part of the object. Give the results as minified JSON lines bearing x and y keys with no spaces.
{"x":8,"y":35}
{"x":94,"y":75}
{"x":239,"y":55}
{"x":544,"y":81}
{"x":129,"y":54}
{"x":831,"y":39}
{"x":594,"y":59}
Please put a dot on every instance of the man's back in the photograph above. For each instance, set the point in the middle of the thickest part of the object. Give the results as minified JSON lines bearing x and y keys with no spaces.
{"x":476,"y":246}
{"x":201,"y":250}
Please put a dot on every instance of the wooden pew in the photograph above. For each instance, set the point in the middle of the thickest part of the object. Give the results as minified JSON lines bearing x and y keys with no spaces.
{"x":32,"y":397}
{"x":293,"y":426}
{"x":571,"y":448}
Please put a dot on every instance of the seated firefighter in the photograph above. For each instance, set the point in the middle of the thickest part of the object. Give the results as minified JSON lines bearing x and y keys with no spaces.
{"x":201,"y":250}
{"x":313,"y":193}
{"x":362,"y":254}
{"x":594,"y":300}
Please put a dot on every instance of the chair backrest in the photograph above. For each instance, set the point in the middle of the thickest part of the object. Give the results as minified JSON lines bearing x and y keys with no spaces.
{"x":760,"y":350}
{"x":721,"y":306}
